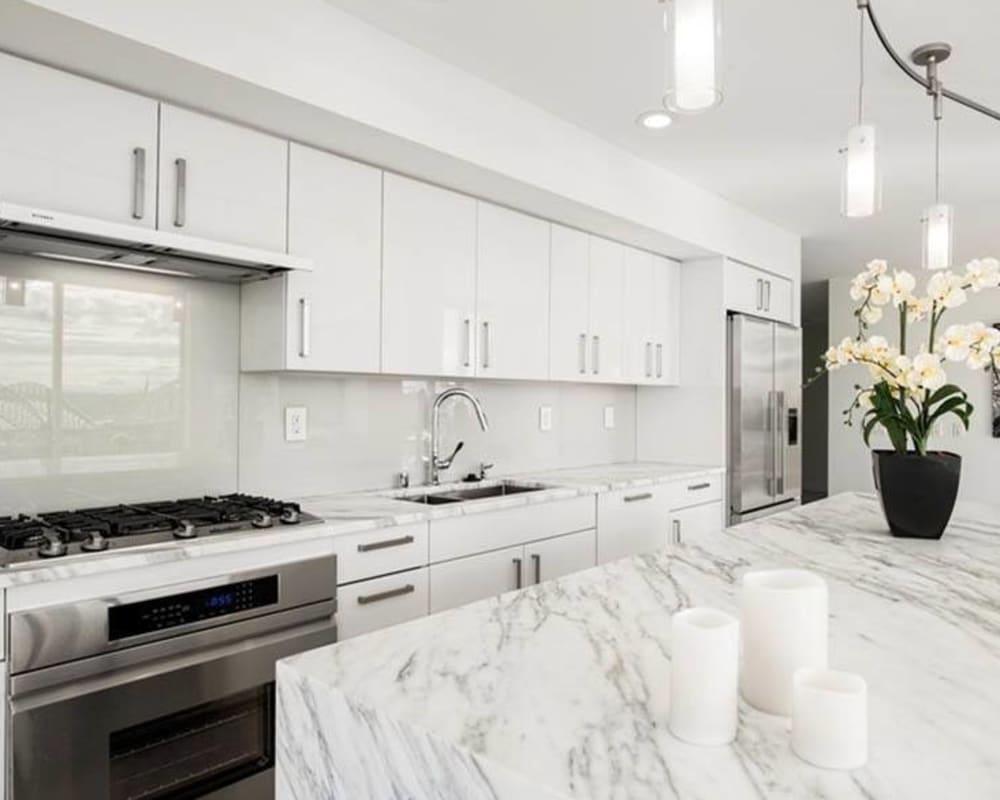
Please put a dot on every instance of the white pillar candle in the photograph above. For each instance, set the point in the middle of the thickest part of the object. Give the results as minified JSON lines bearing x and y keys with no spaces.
{"x":704,"y":676}
{"x":830,"y":718}
{"x":784,"y":623}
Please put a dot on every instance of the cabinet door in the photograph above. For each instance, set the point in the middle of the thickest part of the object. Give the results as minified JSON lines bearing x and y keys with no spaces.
{"x":666,"y":321}
{"x":691,"y":523}
{"x":632,"y":521}
{"x":381,"y":602}
{"x":744,"y":288}
{"x":221,"y":181}
{"x":639,"y":351}
{"x":428,"y":280}
{"x":465,"y":580}
{"x":512,"y":295}
{"x":335,"y":219}
{"x":778,"y":299}
{"x":73,"y":145}
{"x":569,"y":340}
{"x":607,"y":309}
{"x":553,"y":558}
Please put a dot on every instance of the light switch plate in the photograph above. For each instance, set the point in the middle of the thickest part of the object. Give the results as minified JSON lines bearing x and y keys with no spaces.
{"x":295,"y":424}
{"x":609,"y":417}
{"x":545,"y":418}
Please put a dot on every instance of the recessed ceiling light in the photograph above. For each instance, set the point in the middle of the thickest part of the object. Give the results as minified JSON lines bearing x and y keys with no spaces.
{"x":654,"y":120}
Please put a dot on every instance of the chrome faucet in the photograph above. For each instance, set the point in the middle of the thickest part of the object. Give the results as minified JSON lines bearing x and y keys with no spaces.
{"x":437,"y":463}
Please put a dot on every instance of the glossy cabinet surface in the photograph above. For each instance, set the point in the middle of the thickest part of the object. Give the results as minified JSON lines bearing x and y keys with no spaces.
{"x":569,"y":324}
{"x":563,"y":555}
{"x":607,"y":310}
{"x":380,"y":602}
{"x":465,"y":580}
{"x":753,"y":291}
{"x":632,"y":521}
{"x":512,"y":295}
{"x":666,"y":332}
{"x":75,"y":145}
{"x":428,"y":280}
{"x":221,"y":181}
{"x":687,"y":524}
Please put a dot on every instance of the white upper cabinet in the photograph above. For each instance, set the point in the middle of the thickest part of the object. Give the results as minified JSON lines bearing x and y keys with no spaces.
{"x":69,"y":144}
{"x":512,"y":295}
{"x":607,"y":310}
{"x":569,"y":335}
{"x":221,"y":181}
{"x":753,"y":291}
{"x":328,"y":319}
{"x":666,"y":331}
{"x":428,"y":280}
{"x":640,"y":340}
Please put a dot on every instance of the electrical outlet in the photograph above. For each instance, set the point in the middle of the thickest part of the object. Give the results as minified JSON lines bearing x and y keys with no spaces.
{"x":609,"y":417}
{"x":295,"y":424}
{"x":545,"y":418}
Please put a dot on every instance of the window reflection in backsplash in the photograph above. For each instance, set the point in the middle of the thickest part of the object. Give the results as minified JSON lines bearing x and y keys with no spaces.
{"x":96,"y":374}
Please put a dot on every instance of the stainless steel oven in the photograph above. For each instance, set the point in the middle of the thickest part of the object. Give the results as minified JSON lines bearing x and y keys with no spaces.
{"x":161,"y":694}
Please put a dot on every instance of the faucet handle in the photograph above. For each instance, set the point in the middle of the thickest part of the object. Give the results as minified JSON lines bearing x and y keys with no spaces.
{"x":483,"y":467}
{"x":444,"y":463}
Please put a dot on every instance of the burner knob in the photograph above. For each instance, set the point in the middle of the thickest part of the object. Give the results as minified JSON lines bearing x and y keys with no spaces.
{"x":290,"y":515}
{"x":52,"y":547}
{"x":185,"y":530}
{"x":261,"y":519}
{"x":95,"y":542}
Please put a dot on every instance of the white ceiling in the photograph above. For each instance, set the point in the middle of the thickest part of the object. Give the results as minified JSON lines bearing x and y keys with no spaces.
{"x":790,"y":89}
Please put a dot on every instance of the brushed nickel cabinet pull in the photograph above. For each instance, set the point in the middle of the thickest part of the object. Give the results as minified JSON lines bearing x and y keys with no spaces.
{"x":305,"y":331}
{"x":635,"y":498}
{"x":677,"y":531}
{"x":649,"y":359}
{"x":517,"y":572}
{"x":538,"y":567}
{"x":468,"y":342}
{"x":659,"y":360}
{"x":583,"y":354}
{"x":385,"y":544}
{"x":597,"y":355}
{"x":696,"y":486}
{"x":180,"y":196}
{"x":138,"y":182}
{"x":486,"y":345}
{"x":366,"y":599}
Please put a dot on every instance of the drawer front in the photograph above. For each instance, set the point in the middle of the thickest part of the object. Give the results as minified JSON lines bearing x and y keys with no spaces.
{"x":631,"y":521}
{"x":492,"y":530}
{"x":381,"y":602}
{"x":688,"y":524}
{"x":695,"y":491}
{"x":392,"y":549}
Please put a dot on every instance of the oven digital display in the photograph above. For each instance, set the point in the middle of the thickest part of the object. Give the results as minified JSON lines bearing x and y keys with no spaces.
{"x":148,"y":616}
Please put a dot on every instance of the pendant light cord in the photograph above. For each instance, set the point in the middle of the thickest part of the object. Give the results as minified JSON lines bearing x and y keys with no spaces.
{"x":937,"y":161}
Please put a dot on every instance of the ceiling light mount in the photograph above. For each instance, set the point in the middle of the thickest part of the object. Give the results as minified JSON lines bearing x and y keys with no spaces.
{"x":655,"y":120}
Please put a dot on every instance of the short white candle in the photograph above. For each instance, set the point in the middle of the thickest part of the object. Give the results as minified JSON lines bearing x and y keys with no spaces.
{"x":704,"y":676}
{"x":784,"y":622}
{"x":830,"y":718}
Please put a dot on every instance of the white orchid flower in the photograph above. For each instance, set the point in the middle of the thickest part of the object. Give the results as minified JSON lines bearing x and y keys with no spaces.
{"x":945,"y":289}
{"x":983,"y":273}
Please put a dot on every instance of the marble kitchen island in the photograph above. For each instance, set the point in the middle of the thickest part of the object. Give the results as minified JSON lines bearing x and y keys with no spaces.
{"x":561,"y":690}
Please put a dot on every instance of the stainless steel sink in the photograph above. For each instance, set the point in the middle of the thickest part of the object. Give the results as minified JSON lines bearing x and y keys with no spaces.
{"x":444,"y":496}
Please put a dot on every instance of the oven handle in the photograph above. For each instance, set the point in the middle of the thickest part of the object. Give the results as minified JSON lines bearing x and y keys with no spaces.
{"x":105,"y":671}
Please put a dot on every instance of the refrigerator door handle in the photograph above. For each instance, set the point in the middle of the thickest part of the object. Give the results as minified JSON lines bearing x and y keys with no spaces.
{"x":779,"y":442}
{"x":771,"y":438}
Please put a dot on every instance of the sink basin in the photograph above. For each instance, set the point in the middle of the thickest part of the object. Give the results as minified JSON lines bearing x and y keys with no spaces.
{"x":445,"y":496}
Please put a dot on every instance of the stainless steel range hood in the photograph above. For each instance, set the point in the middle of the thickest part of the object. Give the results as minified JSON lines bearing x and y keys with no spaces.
{"x":67,"y":237}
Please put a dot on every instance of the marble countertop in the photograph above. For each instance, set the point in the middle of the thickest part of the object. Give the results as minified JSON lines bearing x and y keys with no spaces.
{"x":561,"y":690}
{"x":357,"y":512}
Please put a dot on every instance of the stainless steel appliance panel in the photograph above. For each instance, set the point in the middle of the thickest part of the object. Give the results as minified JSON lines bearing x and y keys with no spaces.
{"x":788,"y":389}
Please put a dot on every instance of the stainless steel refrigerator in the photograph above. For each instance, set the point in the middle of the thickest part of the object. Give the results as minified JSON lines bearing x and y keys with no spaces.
{"x":765,"y":380}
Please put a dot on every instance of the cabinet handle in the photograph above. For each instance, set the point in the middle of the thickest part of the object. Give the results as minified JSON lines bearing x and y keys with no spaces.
{"x":677,"y":531}
{"x":538,"y":567}
{"x":659,"y":360}
{"x":365,"y":599}
{"x":305,"y":329}
{"x":649,"y":359}
{"x":517,"y":572}
{"x":138,"y":182}
{"x":597,"y":355}
{"x":180,"y":195}
{"x":486,"y":345}
{"x":635,"y":498}
{"x":760,"y":295}
{"x":385,"y":544}
{"x":583,"y":354}
{"x":468,"y":342}
{"x":698,"y":486}
{"x":767,"y":302}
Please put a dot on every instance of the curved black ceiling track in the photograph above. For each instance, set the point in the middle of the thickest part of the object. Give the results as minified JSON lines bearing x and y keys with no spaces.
{"x":926,"y":82}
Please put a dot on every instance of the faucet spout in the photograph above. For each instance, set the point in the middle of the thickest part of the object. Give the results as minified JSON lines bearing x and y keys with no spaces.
{"x":436,"y":463}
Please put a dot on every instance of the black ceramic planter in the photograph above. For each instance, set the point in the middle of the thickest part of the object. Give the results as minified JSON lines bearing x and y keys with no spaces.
{"x":918,"y":492}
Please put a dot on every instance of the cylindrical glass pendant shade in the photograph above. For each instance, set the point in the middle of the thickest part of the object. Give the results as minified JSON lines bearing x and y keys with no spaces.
{"x":939,"y":230}
{"x":694,"y":55}
{"x":862,"y":189}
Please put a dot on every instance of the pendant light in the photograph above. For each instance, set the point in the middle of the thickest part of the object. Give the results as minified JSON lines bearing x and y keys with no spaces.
{"x":939,"y":219}
{"x":861,"y":191}
{"x":694,"y":55}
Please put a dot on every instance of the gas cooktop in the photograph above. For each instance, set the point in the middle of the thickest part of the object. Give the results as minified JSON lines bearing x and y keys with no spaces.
{"x":26,"y":537}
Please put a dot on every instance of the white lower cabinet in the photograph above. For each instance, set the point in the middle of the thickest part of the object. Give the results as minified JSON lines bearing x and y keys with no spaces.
{"x":632,"y":521}
{"x":688,"y":524}
{"x":465,"y":580}
{"x":553,"y":558}
{"x":380,"y":602}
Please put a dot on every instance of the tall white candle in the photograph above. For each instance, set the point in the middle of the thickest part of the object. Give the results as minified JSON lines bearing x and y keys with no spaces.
{"x":704,"y":676}
{"x":784,"y":622}
{"x":830,"y":718}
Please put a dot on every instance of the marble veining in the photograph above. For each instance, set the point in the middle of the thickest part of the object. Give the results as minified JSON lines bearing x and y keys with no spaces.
{"x":562,"y":690}
{"x":354,"y":513}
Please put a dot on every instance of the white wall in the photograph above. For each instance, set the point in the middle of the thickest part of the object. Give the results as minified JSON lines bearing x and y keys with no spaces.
{"x":365,"y":429}
{"x":850,"y":461}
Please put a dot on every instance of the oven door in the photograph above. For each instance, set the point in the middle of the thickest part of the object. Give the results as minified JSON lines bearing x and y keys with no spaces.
{"x":198,"y":723}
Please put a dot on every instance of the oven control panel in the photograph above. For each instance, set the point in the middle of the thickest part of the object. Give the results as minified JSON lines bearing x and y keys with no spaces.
{"x":172,"y":611}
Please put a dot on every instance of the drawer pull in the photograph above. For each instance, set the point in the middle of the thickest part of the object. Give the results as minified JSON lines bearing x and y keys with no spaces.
{"x":537,"y":559}
{"x":366,"y":599}
{"x":697,"y":486}
{"x":383,"y":545}
{"x":635,"y":498}
{"x":518,"y":573}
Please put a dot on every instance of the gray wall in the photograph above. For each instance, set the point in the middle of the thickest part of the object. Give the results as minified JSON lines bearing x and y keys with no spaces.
{"x":815,"y":397}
